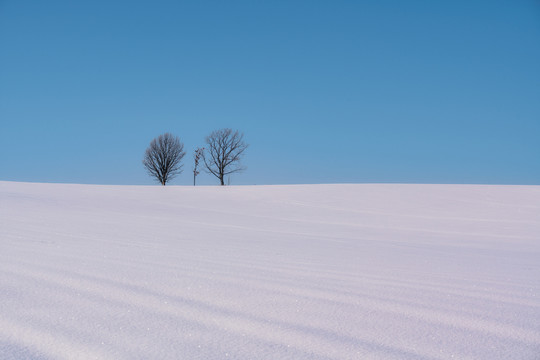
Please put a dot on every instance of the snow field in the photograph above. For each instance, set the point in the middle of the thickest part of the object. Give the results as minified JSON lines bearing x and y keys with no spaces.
{"x":371,"y":271}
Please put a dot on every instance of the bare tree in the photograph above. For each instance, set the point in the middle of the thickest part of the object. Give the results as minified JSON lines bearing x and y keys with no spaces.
{"x":224,"y":150}
{"x":162,"y":158}
{"x":196,"y":158}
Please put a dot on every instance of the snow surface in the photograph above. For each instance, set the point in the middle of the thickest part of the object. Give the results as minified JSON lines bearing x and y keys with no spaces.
{"x":269,"y":272}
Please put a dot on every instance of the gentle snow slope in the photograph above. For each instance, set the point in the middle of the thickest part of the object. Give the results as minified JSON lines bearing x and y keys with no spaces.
{"x":269,"y":272}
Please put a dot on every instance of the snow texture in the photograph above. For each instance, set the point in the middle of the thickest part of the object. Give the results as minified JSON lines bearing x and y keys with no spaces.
{"x":382,"y":271}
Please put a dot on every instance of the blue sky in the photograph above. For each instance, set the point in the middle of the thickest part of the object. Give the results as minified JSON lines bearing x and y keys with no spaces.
{"x":324,"y":91}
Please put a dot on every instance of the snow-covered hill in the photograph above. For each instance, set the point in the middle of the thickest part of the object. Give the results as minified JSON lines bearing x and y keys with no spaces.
{"x":269,"y":272}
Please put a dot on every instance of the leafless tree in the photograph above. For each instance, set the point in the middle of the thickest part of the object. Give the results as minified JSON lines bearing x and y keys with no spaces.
{"x":162,"y":158}
{"x":224,"y":151}
{"x":197,"y":158}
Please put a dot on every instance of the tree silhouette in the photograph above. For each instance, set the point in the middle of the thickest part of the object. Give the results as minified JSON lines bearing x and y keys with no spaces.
{"x":163,"y":156}
{"x":224,"y":151}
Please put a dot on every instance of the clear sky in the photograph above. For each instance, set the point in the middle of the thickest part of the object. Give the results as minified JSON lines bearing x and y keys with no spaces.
{"x":324,"y":91}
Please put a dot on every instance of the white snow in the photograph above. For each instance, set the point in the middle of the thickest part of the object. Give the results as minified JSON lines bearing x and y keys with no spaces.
{"x":382,"y":271}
